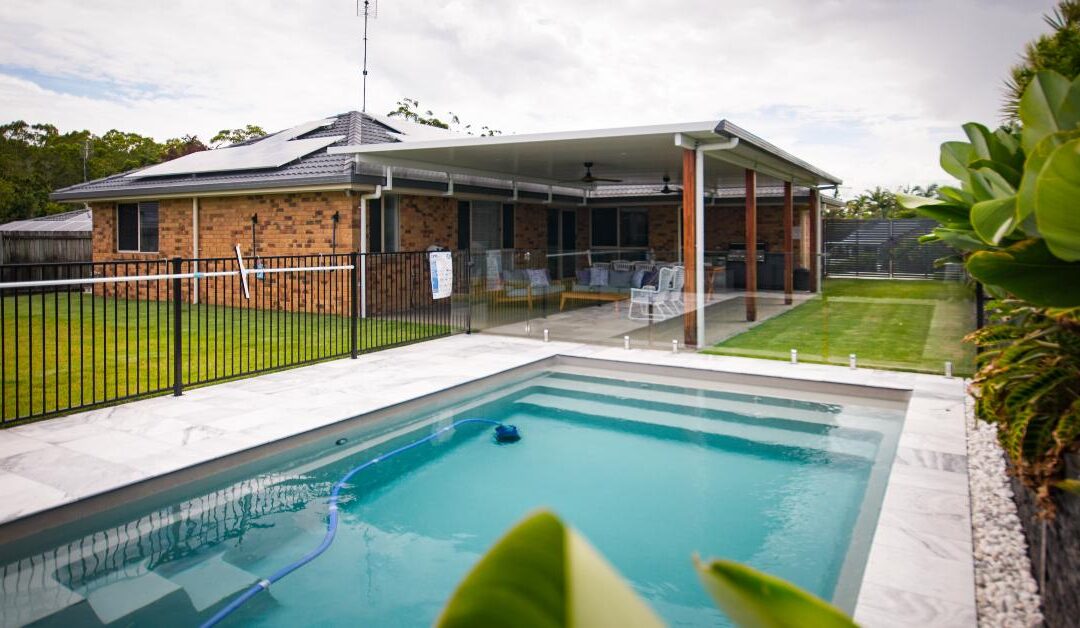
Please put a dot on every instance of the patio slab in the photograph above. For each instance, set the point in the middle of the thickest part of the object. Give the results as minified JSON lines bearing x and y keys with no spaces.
{"x":920,"y":567}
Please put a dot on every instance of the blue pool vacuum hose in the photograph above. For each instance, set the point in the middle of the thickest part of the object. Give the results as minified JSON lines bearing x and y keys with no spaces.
{"x":503,"y":434}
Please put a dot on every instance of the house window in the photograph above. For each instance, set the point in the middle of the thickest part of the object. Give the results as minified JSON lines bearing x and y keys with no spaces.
{"x":485,"y":225}
{"x":137,"y":227}
{"x":623,"y":227}
{"x":383,"y":225}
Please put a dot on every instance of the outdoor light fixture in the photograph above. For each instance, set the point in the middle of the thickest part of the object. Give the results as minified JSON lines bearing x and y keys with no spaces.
{"x":333,"y":232}
{"x":667,"y":188}
{"x":254,"y":223}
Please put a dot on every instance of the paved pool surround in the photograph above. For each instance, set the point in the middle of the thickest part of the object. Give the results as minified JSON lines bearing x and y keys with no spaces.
{"x":920,"y":567}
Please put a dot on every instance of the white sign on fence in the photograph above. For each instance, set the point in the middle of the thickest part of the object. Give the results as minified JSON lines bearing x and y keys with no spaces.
{"x":442,"y":274}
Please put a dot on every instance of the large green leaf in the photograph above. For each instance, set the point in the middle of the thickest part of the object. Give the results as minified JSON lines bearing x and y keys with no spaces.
{"x":753,"y":599}
{"x":956,"y":196}
{"x":1028,"y":270}
{"x":962,"y":239}
{"x":995,"y":219}
{"x":1057,"y":202}
{"x":542,"y":574}
{"x":955,"y":157}
{"x":997,"y":151}
{"x":1025,"y":201}
{"x":1040,"y":106}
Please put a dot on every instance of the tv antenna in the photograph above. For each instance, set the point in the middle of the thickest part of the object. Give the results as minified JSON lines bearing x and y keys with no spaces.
{"x":369,"y":10}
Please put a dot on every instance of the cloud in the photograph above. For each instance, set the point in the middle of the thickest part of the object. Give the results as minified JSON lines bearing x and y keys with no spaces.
{"x":864,"y":89}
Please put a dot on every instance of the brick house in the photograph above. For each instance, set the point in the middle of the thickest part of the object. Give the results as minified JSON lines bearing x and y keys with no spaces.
{"x":362,"y":182}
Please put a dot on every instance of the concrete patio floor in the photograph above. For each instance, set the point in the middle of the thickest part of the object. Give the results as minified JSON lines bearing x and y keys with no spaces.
{"x":607,"y":323}
{"x":920,"y":566}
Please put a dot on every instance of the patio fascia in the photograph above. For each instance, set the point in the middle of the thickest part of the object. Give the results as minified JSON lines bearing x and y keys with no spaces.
{"x":703,"y":155}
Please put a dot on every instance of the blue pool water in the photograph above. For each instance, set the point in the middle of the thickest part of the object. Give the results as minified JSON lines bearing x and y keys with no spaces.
{"x":649,"y":472}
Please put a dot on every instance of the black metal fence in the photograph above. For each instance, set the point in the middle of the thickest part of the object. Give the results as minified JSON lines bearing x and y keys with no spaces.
{"x":885,"y":248}
{"x":79,"y":335}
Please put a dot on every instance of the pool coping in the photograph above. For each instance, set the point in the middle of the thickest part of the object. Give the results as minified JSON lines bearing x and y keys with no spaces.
{"x":920,"y":566}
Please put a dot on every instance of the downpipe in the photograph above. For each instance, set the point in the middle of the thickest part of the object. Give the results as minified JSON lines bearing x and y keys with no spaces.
{"x":364,"y":198}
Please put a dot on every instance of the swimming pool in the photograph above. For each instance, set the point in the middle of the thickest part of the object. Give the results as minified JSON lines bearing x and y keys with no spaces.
{"x":650,"y":469}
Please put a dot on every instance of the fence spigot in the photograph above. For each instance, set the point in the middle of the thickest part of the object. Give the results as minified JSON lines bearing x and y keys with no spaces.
{"x":674,"y":345}
{"x":948,"y":369}
{"x":626,"y":342}
{"x":851,"y":361}
{"x":547,"y":336}
{"x":794,"y":356}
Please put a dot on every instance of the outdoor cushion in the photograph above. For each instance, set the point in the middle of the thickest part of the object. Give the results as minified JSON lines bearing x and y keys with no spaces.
{"x":538,"y":277}
{"x":651,"y":278}
{"x":620,"y":278}
{"x":583,"y":276}
{"x":637,"y":278}
{"x":599,"y":276}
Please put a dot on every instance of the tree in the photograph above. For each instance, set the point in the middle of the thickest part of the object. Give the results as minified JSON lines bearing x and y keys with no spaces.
{"x":409,"y":109}
{"x":226,"y":137}
{"x":1058,"y":51}
{"x":180,"y":146}
{"x":880,"y":203}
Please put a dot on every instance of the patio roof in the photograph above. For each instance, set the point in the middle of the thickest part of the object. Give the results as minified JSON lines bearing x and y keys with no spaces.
{"x":636,"y":155}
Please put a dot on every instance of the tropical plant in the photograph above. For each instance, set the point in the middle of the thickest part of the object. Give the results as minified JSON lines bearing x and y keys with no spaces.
{"x":1014,"y":213}
{"x":542,"y":573}
{"x":1028,"y":384}
{"x":1058,"y":51}
{"x":1015,"y":218}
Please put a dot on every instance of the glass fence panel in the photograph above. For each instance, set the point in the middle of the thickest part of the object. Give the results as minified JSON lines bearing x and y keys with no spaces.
{"x":641,"y":299}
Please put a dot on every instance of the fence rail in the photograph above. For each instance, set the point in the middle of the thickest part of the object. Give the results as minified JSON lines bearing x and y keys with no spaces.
{"x":884,"y":248}
{"x":80,"y":335}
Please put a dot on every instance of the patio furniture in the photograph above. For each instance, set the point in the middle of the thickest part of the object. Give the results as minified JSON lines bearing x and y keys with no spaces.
{"x":526,"y":285}
{"x":603,"y":297}
{"x":652,"y":302}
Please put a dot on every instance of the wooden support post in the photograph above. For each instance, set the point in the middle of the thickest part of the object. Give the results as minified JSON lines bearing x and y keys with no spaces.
{"x":789,"y":210}
{"x":751,"y":245}
{"x":814,"y":248}
{"x":689,"y":207}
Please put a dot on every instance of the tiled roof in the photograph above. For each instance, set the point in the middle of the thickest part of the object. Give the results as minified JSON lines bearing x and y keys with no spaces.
{"x":316,"y":168}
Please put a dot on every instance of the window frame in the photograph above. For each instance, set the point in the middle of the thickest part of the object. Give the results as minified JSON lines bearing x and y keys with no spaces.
{"x":618,"y":229}
{"x":138,"y":227}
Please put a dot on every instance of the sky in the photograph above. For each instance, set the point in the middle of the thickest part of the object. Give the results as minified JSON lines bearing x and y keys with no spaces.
{"x":864,"y":89}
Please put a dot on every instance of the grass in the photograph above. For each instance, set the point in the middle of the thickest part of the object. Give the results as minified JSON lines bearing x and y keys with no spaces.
{"x":64,"y":351}
{"x":909,"y":325}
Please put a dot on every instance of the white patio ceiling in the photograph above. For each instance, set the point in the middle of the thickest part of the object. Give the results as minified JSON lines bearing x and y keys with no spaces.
{"x":637,"y":155}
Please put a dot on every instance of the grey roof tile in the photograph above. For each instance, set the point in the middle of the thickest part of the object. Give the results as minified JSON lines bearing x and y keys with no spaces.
{"x":318,"y":167}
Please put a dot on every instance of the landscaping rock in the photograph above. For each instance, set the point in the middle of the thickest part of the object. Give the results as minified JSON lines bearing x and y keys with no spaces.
{"x":1006,"y":593}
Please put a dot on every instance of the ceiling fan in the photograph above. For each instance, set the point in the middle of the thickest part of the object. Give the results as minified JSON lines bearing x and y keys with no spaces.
{"x":589,"y":178}
{"x":667,"y":189}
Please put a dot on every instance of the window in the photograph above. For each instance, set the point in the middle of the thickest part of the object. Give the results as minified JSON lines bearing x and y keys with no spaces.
{"x":620,"y":227}
{"x":484,"y":227}
{"x":137,"y":227}
{"x":383,"y":225}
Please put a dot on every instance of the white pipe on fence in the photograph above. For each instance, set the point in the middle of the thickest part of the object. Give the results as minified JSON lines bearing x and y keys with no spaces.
{"x":196,"y":275}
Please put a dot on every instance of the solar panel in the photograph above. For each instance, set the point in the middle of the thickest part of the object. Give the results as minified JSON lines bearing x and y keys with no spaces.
{"x":270,"y":152}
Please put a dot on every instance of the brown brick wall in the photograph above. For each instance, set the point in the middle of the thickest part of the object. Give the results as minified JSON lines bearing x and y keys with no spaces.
{"x":664,"y":230}
{"x":426,"y":220}
{"x":530,"y":227}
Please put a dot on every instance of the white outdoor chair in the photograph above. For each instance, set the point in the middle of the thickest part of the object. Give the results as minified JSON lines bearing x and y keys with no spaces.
{"x":671,"y":302}
{"x":650,"y":301}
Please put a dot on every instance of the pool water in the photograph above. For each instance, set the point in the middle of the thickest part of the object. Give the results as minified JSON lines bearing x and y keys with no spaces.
{"x":649,"y":472}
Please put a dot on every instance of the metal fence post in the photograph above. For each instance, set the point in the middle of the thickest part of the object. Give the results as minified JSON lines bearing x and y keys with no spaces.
{"x":354,"y":273}
{"x":468,"y":292}
{"x":178,"y":337}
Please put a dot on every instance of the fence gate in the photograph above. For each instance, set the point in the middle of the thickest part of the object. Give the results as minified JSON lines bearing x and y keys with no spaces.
{"x":884,"y":248}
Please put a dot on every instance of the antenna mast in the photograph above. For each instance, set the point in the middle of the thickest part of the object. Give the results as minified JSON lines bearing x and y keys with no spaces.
{"x":369,"y":12}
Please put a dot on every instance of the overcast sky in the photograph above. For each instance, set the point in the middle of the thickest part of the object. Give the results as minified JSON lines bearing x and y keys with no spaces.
{"x":865,"y":89}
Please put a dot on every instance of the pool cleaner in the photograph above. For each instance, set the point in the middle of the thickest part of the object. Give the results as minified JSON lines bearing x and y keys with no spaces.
{"x":504,"y":434}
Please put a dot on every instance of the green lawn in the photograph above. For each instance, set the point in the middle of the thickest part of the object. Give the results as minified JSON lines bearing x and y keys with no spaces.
{"x":911,"y":325}
{"x":64,"y":351}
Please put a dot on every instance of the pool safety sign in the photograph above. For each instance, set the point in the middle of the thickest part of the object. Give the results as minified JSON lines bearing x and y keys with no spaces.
{"x":442,"y":274}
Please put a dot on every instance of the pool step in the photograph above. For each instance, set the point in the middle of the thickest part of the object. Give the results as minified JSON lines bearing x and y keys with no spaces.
{"x":737,"y":403}
{"x":26,"y":600}
{"x":615,"y":409}
{"x":213,"y":580}
{"x":140,"y":599}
